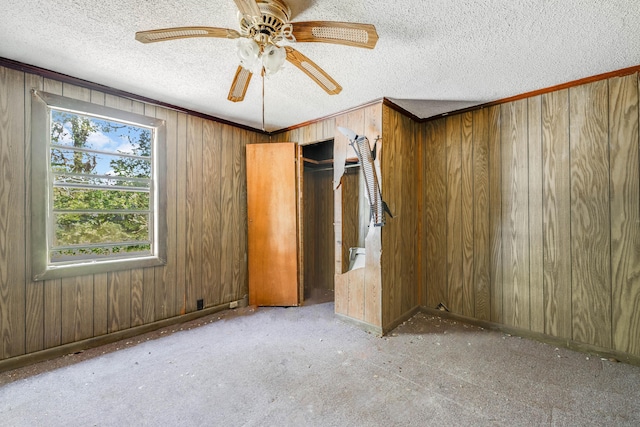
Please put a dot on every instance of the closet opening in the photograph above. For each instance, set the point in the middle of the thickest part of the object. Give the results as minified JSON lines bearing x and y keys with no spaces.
{"x":318,"y":218}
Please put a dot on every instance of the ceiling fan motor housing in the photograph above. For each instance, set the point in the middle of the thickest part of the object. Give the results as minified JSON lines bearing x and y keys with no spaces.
{"x":273,"y":26}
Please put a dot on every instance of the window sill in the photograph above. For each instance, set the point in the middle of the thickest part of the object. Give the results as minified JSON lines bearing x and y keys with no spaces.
{"x":95,"y":267}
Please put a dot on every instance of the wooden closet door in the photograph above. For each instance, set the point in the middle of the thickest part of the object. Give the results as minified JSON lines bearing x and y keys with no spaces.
{"x":272,"y":220}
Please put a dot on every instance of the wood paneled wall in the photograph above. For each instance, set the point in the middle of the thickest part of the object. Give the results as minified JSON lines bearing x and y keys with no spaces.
{"x":531,"y":214}
{"x":461,"y":200}
{"x":309,"y":134}
{"x":401,"y":184}
{"x":358,"y":292}
{"x":526,"y":214}
{"x":206,"y":239}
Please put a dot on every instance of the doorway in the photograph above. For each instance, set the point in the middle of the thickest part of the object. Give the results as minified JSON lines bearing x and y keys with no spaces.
{"x":318,"y":216}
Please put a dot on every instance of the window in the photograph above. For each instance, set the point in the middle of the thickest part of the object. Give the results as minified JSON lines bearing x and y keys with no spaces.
{"x":97,"y":190}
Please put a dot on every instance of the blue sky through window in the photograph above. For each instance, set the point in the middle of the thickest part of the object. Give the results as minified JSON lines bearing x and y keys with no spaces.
{"x":107,"y":135}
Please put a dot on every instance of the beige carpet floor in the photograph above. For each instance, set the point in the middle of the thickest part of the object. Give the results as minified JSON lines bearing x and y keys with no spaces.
{"x":302,"y":366}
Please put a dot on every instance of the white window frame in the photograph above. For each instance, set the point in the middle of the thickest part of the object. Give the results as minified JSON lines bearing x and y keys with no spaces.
{"x":41,"y":189}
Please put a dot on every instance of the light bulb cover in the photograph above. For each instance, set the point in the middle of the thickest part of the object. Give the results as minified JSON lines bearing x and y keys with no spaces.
{"x":273,"y":58}
{"x":249,"y":54}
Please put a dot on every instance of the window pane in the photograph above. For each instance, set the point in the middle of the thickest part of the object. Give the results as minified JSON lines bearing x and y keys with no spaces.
{"x":79,"y":254}
{"x":105,"y":181}
{"x":99,"y":154}
{"x":80,"y":199}
{"x":77,"y":130}
{"x":79,"y":162}
{"x":78,"y":229}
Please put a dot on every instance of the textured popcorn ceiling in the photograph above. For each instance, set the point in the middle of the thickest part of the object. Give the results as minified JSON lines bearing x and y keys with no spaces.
{"x":432,"y":57}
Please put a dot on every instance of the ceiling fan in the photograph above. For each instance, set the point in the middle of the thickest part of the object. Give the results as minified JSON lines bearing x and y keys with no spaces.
{"x":264,"y":24}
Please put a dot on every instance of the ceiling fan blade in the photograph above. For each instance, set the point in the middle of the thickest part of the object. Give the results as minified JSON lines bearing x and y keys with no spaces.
{"x":164,"y":34}
{"x":239,"y":85}
{"x":347,"y":33}
{"x":317,"y":74}
{"x":248,"y":7}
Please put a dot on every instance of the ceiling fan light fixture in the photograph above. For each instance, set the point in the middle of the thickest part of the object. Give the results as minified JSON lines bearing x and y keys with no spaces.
{"x":249,"y":54}
{"x":273,"y":58}
{"x":253,"y":57}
